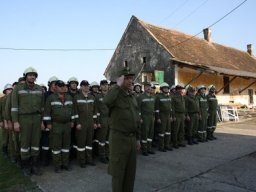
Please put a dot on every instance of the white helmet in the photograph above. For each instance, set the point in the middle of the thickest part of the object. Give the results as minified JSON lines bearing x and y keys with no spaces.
{"x":201,"y":87}
{"x":7,"y":86}
{"x":173,"y":87}
{"x":189,"y":88}
{"x":211,"y":87}
{"x":30,"y":70}
{"x":73,"y":79}
{"x":137,"y":84}
{"x":52,"y":79}
{"x":164,"y":84}
{"x":94,"y":84}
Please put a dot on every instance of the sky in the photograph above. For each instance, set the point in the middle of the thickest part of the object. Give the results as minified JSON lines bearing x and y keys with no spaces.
{"x":98,"y":25}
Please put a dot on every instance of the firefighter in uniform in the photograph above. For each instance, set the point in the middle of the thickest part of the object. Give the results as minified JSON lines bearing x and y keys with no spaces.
{"x":124,"y":133}
{"x":102,"y":128}
{"x":27,"y":107}
{"x":45,"y":141}
{"x":15,"y":136}
{"x":137,"y":89}
{"x":179,"y":110}
{"x":6,"y":139}
{"x":85,"y":124}
{"x":203,"y":113}
{"x":163,"y":108}
{"x":146,"y":103}
{"x":95,"y":90}
{"x":192,"y":116}
{"x":112,"y":84}
{"x":59,"y":116}
{"x":3,"y":147}
{"x":7,"y":118}
{"x":212,"y":111}
{"x":72,"y":85}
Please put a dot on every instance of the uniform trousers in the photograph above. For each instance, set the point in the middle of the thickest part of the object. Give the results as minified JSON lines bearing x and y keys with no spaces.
{"x":122,"y":164}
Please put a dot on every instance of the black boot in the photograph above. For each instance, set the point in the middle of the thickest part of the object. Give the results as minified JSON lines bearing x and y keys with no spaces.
{"x":26,"y":167}
{"x":190,"y":141}
{"x":35,"y":166}
{"x":45,"y":157}
{"x":194,"y":141}
{"x":5,"y":152}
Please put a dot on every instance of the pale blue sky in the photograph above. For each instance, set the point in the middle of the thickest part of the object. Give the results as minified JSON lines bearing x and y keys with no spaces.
{"x":99,"y":24}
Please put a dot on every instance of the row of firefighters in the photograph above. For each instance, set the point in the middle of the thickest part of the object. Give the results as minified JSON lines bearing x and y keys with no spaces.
{"x":66,"y":122}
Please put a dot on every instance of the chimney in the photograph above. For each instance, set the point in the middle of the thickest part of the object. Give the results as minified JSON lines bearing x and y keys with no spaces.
{"x":207,"y":34}
{"x":249,"y":49}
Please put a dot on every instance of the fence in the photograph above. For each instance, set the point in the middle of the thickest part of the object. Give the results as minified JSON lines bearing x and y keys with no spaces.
{"x":227,"y":113}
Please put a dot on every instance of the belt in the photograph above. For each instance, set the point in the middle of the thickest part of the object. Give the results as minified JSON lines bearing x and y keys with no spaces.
{"x":193,"y":112}
{"x":32,"y":113}
{"x":128,"y":134}
{"x":61,"y":122}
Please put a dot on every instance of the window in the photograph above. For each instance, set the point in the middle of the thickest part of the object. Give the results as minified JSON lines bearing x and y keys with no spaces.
{"x":226,"y":85}
{"x":144,"y":60}
{"x":250,"y":93}
{"x":125,"y":63}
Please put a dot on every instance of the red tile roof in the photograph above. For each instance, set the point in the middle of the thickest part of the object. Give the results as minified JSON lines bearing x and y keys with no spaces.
{"x":196,"y":51}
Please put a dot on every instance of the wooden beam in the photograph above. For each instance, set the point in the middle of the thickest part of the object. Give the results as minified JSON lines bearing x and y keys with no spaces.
{"x":247,"y":86}
{"x":226,"y":84}
{"x":194,"y":78}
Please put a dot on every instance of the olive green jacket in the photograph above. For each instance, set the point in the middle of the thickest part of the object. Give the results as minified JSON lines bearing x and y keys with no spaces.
{"x":146,"y":104}
{"x":26,"y":101}
{"x":57,"y":111}
{"x":85,"y":108}
{"x":101,"y":108}
{"x":123,"y":111}
{"x":192,"y":104}
{"x":178,"y":104}
{"x":212,"y":103}
{"x":203,"y":104}
{"x":8,"y":106}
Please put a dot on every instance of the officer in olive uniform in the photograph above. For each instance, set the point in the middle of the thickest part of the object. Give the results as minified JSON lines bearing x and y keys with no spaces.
{"x":163,"y":108}
{"x":86,"y":123}
{"x":102,"y":118}
{"x":59,"y":116}
{"x":146,"y":103}
{"x":179,"y":111}
{"x":192,"y":116}
{"x":124,"y":132}
{"x":27,"y":106}
{"x":203,"y":113}
{"x":212,"y":111}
